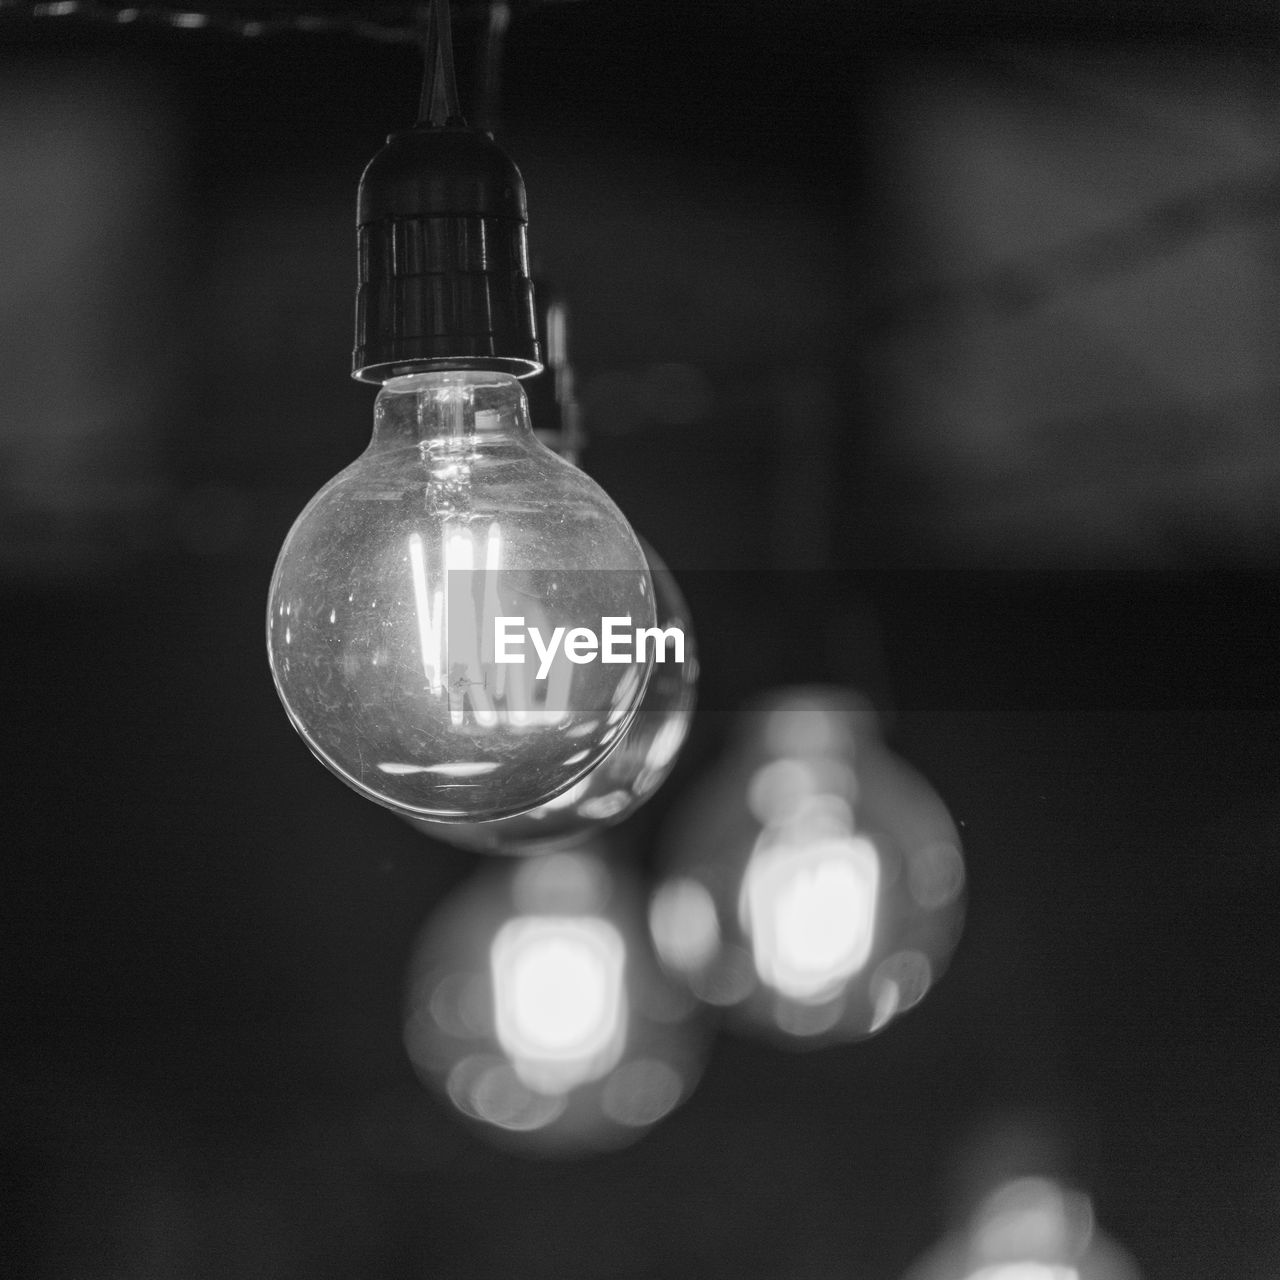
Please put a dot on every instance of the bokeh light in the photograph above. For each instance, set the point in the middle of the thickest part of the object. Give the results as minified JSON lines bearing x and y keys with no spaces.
{"x":815,"y":884}
{"x":1029,"y":1228}
{"x":536,"y":1007}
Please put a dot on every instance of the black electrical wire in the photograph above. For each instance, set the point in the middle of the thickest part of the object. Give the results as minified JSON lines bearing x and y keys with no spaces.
{"x":385,"y":23}
{"x":359,"y":23}
{"x":439,"y":104}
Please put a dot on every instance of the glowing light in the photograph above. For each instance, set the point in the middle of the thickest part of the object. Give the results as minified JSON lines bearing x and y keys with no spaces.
{"x":427,"y":635}
{"x":810,"y":910}
{"x":1029,"y":1229}
{"x":682,"y":920}
{"x":1024,"y":1271}
{"x":559,"y":999}
{"x":833,"y":872}
{"x":936,"y":875}
{"x":499,"y":1096}
{"x":640,"y":1093}
{"x":1033,"y":1218}
{"x":535,"y":1004}
{"x":778,"y":787}
{"x":562,"y":883}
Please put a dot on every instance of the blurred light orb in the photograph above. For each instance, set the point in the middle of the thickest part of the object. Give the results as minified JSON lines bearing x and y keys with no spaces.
{"x":559,"y":999}
{"x":1028,"y":1229}
{"x":536,"y":1007}
{"x":809,"y":906}
{"x":815,"y":885}
{"x":633,"y":770}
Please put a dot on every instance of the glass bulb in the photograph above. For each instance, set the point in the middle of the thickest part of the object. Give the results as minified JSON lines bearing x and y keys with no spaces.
{"x":631,"y":773}
{"x":536,"y":1007}
{"x":815,"y":884}
{"x":392,"y":593}
{"x":1028,"y":1229}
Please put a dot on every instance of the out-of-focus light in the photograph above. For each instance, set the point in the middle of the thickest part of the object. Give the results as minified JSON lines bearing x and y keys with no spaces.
{"x":815,"y":884}
{"x":1033,"y":1217}
{"x":1025,"y":1271}
{"x":809,"y":907}
{"x":559,"y":1000}
{"x":536,"y":1007}
{"x":682,"y":919}
{"x":1028,"y":1229}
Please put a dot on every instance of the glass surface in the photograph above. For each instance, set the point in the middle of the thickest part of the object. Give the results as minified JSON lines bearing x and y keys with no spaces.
{"x":629,"y":775}
{"x":383,"y":607}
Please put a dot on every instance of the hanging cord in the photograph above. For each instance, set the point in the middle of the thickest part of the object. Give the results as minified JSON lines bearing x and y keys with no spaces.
{"x":385,"y":24}
{"x":439,"y":106}
{"x":360,"y":24}
{"x":488,"y":97}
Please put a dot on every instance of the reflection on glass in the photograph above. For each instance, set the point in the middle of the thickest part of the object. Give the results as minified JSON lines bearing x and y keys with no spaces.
{"x":815,"y":884}
{"x":638,"y":762}
{"x":1028,"y":1229}
{"x":387,"y":594}
{"x":536,"y":1007}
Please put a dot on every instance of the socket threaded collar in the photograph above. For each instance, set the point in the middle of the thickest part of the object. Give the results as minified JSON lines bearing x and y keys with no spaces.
{"x":444,"y":259}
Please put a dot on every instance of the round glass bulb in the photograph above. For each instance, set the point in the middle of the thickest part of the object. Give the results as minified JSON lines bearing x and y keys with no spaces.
{"x":412,"y":594}
{"x":815,"y":884}
{"x":631,"y":773}
{"x":1028,"y":1229}
{"x":536,"y":1007}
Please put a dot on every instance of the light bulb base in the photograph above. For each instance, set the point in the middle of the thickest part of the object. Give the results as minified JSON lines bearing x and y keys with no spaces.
{"x":443,"y":259}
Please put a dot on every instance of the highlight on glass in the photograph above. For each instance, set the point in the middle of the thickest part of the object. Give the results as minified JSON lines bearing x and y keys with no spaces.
{"x":535,"y":1006}
{"x":633,"y":770}
{"x":814,"y":886}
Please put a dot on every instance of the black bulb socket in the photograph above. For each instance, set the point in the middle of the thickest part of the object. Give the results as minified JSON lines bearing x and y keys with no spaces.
{"x":444,"y":259}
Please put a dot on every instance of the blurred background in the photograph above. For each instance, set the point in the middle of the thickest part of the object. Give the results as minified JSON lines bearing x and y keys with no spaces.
{"x":936,"y":349}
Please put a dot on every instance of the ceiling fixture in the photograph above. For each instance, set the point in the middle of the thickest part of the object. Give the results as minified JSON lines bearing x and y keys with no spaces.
{"x":384,"y":623}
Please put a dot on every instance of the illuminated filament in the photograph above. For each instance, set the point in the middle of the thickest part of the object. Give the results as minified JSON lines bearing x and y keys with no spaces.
{"x":559,"y":1002}
{"x":455,"y":657}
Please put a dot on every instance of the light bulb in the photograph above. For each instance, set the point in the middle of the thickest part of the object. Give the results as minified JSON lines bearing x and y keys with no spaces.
{"x":1028,"y":1229}
{"x":631,"y":773}
{"x":386,"y":614}
{"x":536,"y":1008}
{"x":815,"y":885}
{"x":641,"y":761}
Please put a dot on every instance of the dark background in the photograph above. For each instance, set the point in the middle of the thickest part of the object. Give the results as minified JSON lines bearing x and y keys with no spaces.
{"x":935,"y":347}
